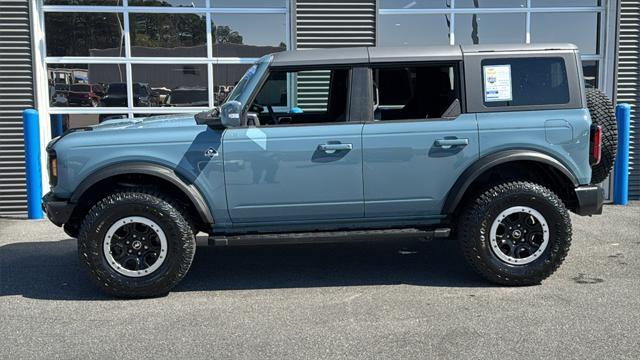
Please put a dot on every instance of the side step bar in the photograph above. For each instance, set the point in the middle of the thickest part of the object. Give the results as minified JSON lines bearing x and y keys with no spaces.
{"x":326,"y":236}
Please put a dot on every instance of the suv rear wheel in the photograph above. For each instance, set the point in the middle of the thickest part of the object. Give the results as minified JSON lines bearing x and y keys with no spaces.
{"x":516,"y":233}
{"x":136,"y":244}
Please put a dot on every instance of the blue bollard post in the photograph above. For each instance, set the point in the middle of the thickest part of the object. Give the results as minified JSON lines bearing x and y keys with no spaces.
{"x":32,"y":163}
{"x":56,"y":125}
{"x":621,"y":172}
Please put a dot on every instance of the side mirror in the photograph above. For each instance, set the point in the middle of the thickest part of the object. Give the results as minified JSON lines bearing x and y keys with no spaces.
{"x":230,"y":114}
{"x":209,"y":118}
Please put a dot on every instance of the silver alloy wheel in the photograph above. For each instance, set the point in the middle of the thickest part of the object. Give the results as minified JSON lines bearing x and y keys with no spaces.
{"x":519,"y":235}
{"x":135,"y":246}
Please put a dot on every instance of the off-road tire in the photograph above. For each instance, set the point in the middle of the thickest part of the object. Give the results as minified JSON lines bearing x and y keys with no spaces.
{"x":602,"y":113}
{"x":479,"y":214}
{"x":180,"y":238}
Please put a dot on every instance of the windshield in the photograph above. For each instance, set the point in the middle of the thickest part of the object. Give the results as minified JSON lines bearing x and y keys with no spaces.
{"x":248,"y":80}
{"x":242,"y":84}
{"x":139,"y":89}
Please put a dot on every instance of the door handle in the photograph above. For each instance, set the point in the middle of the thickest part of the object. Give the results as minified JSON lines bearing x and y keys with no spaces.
{"x":335,"y":147}
{"x":447,"y":143}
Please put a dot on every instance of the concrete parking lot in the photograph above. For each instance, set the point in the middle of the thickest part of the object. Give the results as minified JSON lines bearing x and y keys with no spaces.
{"x":356,"y":300}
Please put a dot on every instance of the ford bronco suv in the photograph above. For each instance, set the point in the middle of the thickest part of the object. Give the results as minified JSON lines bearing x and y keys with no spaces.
{"x":489,"y":145}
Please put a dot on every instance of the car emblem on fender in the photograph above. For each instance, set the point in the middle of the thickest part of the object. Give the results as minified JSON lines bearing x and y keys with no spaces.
{"x":211,"y":153}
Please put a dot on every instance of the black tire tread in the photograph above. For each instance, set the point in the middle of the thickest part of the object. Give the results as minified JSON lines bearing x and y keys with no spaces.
{"x":473,"y":216}
{"x":125,"y":287}
{"x":602,"y":113}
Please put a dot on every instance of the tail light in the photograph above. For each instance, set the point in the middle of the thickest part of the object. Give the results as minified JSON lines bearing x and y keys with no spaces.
{"x":596,"y":144}
{"x":52,"y":166}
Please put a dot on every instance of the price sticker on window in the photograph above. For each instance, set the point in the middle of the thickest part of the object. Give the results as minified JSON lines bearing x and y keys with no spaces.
{"x":497,"y":83}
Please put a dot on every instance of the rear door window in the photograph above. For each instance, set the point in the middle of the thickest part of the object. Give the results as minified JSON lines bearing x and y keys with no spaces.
{"x":524,"y":81}
{"x":421,"y":92}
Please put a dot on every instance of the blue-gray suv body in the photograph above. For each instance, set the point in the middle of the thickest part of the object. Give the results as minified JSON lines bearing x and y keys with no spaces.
{"x":492,"y":144}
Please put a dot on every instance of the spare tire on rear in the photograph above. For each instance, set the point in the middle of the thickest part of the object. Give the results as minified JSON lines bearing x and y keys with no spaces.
{"x":602,"y":114}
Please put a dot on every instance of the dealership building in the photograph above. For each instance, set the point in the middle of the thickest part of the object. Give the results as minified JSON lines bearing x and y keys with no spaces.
{"x":133,"y":58}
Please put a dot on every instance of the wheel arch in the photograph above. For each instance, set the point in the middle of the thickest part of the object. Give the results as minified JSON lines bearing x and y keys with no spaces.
{"x":160,"y":175}
{"x":512,"y":159}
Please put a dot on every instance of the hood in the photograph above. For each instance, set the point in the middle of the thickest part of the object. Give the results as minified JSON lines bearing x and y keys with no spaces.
{"x":133,"y":133}
{"x":152,"y":122}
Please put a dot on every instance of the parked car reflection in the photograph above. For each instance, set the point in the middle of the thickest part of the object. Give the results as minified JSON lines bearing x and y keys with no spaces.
{"x":62,"y":89}
{"x":85,"y":94}
{"x":161,"y":93}
{"x":117,"y":95}
{"x":188,"y":96}
{"x":222,"y":93}
{"x":59,"y":94}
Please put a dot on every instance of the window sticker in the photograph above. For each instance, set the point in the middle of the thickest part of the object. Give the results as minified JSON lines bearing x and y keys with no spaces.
{"x":497,"y":83}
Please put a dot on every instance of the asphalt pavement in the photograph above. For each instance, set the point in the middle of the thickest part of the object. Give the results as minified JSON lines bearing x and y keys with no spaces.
{"x":376,"y":300}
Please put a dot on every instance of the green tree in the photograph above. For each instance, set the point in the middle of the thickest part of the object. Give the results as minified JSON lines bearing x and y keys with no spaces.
{"x":224,"y":34}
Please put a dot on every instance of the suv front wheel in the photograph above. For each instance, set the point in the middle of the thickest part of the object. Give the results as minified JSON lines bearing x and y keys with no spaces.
{"x":136,"y":244}
{"x":516,"y":233}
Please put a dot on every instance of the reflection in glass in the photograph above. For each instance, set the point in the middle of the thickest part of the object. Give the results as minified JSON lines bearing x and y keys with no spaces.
{"x":83,"y":85}
{"x":590,"y":71}
{"x":248,"y":3}
{"x":63,"y":122}
{"x":84,"y":2}
{"x":85,"y":95}
{"x":84,"y":34}
{"x":225,"y":78}
{"x":402,"y":30}
{"x":236,"y":35}
{"x":490,"y":28}
{"x":168,"y":35}
{"x":116,"y":95}
{"x":491,"y":4}
{"x":552,"y":27}
{"x":564,"y":3}
{"x":170,"y":85}
{"x":169,"y":3}
{"x":415,"y":4}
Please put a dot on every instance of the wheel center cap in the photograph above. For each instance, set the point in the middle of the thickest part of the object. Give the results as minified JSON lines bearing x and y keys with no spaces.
{"x":136,"y":245}
{"x":516,"y":234}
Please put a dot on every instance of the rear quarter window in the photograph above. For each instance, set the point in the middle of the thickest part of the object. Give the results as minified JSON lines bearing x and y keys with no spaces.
{"x":533,"y":81}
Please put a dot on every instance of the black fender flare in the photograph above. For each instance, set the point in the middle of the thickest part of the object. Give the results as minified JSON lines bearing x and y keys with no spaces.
{"x":489,"y":161}
{"x":152,"y":169}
